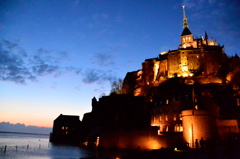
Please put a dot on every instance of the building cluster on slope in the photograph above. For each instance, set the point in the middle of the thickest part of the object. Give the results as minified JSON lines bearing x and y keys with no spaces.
{"x":184,"y":95}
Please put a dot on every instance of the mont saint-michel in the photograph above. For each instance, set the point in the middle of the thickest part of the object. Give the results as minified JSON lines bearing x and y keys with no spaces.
{"x":183,"y":98}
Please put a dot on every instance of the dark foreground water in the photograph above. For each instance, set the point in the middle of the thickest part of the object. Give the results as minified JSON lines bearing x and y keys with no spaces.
{"x":33,"y":146}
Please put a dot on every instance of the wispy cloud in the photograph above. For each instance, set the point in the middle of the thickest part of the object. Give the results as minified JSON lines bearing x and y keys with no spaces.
{"x":12,"y":63}
{"x":16,"y":66}
{"x":19,"y":67}
{"x":41,"y":68}
{"x":90,"y":76}
{"x":102,"y":59}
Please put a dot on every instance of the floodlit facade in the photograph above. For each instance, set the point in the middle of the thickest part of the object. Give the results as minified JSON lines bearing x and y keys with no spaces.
{"x":194,"y":57}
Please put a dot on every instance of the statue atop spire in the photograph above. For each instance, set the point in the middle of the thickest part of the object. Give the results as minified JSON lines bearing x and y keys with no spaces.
{"x":185,"y":24}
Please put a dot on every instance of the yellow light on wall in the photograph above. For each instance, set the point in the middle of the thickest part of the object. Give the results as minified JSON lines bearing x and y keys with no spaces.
{"x":185,"y":74}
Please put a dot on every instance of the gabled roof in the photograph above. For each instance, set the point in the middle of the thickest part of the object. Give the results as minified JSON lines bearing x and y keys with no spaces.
{"x":186,"y":31}
{"x":69,"y":118}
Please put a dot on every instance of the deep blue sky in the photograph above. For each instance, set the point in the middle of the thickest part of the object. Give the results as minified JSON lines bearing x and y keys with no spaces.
{"x":56,"y":55}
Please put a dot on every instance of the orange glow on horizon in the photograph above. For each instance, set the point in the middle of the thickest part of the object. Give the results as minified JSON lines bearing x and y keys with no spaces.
{"x":26,"y":119}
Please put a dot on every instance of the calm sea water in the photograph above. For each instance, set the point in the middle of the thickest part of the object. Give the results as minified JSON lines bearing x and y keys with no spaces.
{"x":32,"y":146}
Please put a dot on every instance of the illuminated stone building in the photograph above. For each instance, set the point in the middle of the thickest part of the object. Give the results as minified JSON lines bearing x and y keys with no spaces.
{"x":123,"y":121}
{"x":202,"y":57}
{"x":196,"y":111}
{"x":181,"y":84}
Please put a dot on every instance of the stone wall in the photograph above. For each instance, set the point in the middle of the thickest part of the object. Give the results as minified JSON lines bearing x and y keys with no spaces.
{"x":139,"y":139}
{"x":197,"y":124}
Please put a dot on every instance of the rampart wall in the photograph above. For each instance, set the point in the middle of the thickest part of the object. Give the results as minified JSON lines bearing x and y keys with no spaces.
{"x":139,"y":139}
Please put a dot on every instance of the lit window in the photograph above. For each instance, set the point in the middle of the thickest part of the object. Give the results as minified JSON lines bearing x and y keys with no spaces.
{"x":180,"y":116}
{"x":160,"y":118}
{"x":166,"y":118}
{"x":66,"y":132}
{"x":166,"y":128}
{"x":63,"y":128}
{"x":174,"y":117}
{"x":154,"y":120}
{"x":195,"y":99}
{"x":238,"y":102}
{"x":180,"y":128}
{"x":66,"y":128}
{"x":167,"y":101}
{"x":176,"y":128}
{"x":196,"y":107}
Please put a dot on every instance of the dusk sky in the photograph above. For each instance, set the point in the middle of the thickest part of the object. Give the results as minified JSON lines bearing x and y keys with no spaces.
{"x":56,"y":55}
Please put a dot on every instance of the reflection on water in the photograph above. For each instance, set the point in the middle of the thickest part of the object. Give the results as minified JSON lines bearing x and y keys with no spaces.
{"x":37,"y":146}
{"x":33,"y":146}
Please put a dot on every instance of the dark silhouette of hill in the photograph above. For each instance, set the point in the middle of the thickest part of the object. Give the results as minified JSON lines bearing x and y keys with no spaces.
{"x":8,"y":127}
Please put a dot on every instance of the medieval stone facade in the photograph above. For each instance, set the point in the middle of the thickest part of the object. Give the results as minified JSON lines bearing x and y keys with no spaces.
{"x":202,"y":57}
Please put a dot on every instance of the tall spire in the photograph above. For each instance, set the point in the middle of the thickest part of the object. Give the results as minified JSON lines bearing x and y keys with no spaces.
{"x":186,"y":30}
{"x":185,"y":24}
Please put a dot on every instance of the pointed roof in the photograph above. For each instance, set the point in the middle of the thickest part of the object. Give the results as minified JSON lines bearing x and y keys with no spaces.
{"x":206,"y":36}
{"x":186,"y":31}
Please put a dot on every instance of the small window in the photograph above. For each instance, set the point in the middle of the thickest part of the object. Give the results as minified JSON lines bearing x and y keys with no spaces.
{"x":160,"y":111}
{"x":180,"y":116}
{"x":154,"y":111}
{"x":174,"y":108}
{"x":166,"y":118}
{"x":62,"y":127}
{"x":176,"y":128}
{"x":167,"y":101}
{"x":180,"y":128}
{"x":174,"y":117}
{"x":154,"y":119}
{"x":166,"y":128}
{"x":160,"y":118}
{"x":166,"y":110}
{"x":160,"y":103}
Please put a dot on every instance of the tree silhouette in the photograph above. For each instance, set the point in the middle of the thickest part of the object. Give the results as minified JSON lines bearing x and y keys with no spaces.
{"x":116,"y":87}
